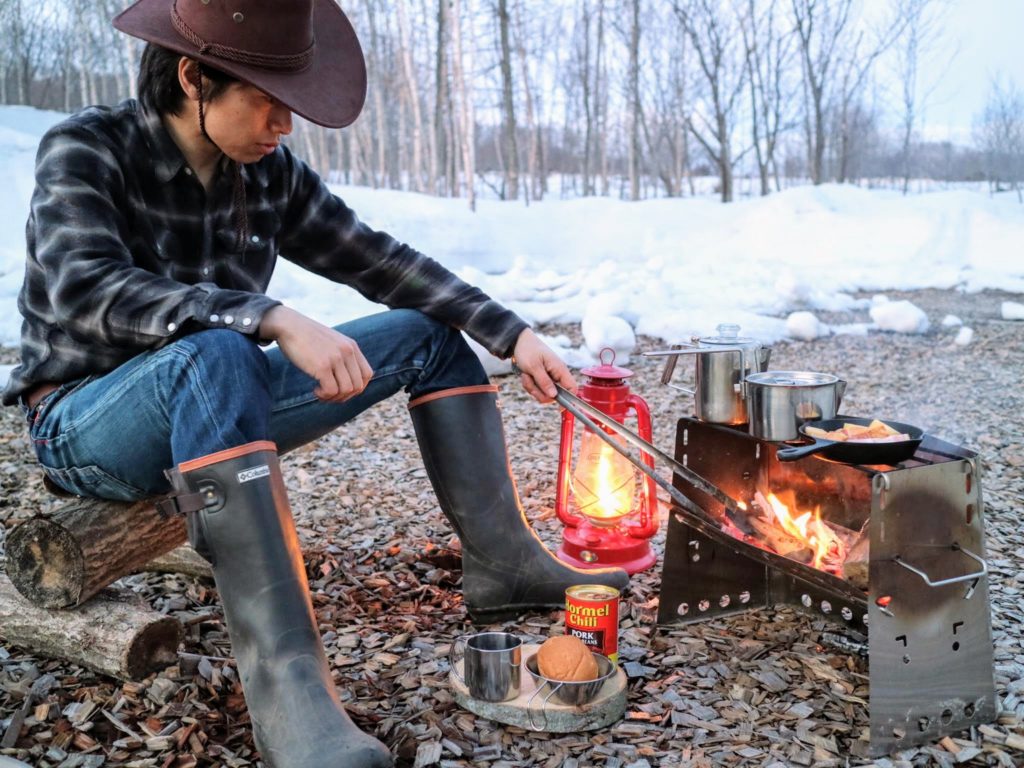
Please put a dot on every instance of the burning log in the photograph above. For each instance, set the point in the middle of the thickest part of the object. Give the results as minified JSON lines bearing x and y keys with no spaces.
{"x":115,"y":633}
{"x":858,"y":561}
{"x":61,"y":560}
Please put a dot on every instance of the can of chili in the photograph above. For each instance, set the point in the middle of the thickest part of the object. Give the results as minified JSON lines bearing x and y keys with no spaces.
{"x":592,"y":615}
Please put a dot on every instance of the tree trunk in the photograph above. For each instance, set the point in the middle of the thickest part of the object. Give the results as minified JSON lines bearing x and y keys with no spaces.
{"x":466,"y":127}
{"x":634,"y":101}
{"x":412,"y":92}
{"x":115,"y":633}
{"x":508,"y":102}
{"x":62,"y":560}
{"x":531,"y":124}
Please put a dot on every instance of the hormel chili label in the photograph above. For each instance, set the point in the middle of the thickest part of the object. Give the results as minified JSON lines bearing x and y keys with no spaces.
{"x":592,"y":615}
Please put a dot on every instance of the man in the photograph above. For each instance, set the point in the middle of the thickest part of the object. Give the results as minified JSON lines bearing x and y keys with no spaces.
{"x":153,"y":234}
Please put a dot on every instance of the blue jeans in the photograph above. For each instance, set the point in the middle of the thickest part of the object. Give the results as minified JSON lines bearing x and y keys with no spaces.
{"x":112,"y":436}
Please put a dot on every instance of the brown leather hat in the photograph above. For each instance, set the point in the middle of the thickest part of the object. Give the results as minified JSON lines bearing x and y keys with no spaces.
{"x":302,"y":52}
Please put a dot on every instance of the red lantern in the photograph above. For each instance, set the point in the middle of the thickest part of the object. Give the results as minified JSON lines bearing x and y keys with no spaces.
{"x":609,"y":517}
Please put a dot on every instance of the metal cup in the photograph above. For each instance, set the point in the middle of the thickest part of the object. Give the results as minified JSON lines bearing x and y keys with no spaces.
{"x":490,"y":664}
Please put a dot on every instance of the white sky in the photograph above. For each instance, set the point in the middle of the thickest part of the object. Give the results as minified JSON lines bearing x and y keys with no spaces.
{"x":985,"y":38}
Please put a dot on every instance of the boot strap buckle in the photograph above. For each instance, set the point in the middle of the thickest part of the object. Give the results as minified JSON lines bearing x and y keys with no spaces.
{"x":181,"y":504}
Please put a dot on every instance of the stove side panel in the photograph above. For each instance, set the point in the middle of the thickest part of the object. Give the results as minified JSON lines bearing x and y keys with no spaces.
{"x":930,"y":646}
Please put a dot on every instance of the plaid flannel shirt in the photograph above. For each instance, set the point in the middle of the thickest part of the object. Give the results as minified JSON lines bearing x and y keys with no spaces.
{"x":127,"y":251}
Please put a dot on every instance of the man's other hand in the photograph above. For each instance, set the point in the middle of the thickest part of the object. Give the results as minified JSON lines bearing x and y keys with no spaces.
{"x":540,"y":368}
{"x":333,"y":359}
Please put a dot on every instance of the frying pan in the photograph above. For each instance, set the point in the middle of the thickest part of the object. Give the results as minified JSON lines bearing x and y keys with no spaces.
{"x":854,"y":452}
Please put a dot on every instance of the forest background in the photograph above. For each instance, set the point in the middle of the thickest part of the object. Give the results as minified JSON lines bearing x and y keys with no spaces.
{"x":634,"y":99}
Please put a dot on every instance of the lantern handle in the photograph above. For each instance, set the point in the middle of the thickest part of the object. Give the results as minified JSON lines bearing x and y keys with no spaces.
{"x":588,"y":415}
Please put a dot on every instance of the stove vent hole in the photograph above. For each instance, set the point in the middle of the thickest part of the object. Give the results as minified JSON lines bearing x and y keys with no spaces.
{"x":923,"y":723}
{"x":744,"y":597}
{"x":826,"y":606}
{"x":970,"y":513}
{"x":899,"y":734}
{"x":683,"y":609}
{"x":846,"y":613}
{"x":967,"y":483}
{"x":969,"y":709}
{"x":806,"y":600}
{"x":956,"y":646}
{"x":703,"y":605}
{"x":946,"y":717}
{"x":724,"y":601}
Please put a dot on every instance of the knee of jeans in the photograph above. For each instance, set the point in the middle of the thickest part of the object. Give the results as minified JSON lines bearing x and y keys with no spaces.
{"x":227,"y":354}
{"x":418,"y":325}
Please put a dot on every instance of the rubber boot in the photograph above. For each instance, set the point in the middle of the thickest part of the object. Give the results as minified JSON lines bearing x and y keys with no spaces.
{"x":247,"y":533}
{"x":506,"y":569}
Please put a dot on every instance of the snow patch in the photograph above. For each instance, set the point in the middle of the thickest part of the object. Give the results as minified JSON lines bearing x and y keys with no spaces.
{"x":899,"y":317}
{"x":1012,"y":310}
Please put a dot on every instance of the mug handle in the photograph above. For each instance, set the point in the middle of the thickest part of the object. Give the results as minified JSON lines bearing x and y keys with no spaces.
{"x":451,"y":657}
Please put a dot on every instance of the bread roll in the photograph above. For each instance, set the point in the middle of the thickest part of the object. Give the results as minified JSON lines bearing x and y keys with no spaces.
{"x":567,"y":659}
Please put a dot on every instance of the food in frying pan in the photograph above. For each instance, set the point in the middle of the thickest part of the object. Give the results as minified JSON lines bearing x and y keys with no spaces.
{"x":875,"y":432}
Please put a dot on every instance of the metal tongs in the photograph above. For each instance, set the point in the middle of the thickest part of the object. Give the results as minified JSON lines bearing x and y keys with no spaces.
{"x":591,"y":418}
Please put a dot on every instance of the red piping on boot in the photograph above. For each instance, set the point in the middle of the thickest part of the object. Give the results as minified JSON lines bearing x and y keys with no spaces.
{"x":230,"y":453}
{"x":477,"y":389}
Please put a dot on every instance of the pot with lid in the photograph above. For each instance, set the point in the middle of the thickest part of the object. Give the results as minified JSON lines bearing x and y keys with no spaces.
{"x":780,"y":402}
{"x":723,"y":363}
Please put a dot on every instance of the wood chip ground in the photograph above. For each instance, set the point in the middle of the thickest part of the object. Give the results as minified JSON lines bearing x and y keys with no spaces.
{"x":768,"y":688}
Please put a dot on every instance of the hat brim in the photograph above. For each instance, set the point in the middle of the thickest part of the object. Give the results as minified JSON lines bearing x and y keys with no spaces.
{"x":329,"y":92}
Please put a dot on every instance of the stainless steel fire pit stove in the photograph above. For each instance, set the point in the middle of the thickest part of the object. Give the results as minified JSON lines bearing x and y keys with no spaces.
{"x":926,"y":614}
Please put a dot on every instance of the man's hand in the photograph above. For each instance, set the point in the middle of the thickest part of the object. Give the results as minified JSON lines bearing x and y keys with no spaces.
{"x":541,"y":368}
{"x":331,"y":358}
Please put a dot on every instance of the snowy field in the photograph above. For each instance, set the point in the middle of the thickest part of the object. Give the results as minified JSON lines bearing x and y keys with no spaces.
{"x":665,"y":268}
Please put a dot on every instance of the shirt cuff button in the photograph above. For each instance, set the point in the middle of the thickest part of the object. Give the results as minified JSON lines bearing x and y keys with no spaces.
{"x":214,"y":318}
{"x":228,"y":319}
{"x":246,"y":321}
{"x":172,"y":327}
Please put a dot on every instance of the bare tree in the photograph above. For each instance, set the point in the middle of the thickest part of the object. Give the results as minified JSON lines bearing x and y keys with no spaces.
{"x":769,"y":53}
{"x":1000,"y":136}
{"x":412,"y":96}
{"x":511,"y":154}
{"x":714,"y":41}
{"x":635,"y":110}
{"x":820,"y":26}
{"x":922,"y":31}
{"x":461,"y":61}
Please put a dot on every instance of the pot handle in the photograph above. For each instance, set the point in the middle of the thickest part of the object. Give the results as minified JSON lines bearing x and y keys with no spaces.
{"x":670,"y":364}
{"x":840,"y":391}
{"x":799,"y":451}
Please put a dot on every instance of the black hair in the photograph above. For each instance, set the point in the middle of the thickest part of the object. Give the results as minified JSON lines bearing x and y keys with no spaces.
{"x":159,"y":88}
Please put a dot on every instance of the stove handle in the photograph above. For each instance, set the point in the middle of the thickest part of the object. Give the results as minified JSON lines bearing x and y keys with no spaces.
{"x":955,"y":579}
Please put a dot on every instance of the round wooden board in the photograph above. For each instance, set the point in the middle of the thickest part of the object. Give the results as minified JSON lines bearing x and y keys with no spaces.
{"x":607,"y":707}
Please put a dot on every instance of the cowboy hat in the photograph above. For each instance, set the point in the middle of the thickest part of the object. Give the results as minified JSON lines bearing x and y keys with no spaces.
{"x":304,"y":53}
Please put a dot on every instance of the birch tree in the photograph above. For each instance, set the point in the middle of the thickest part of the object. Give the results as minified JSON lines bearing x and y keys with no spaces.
{"x":714,"y":40}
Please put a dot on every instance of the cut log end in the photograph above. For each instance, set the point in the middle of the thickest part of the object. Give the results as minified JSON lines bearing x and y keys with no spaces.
{"x":153,"y":648}
{"x":45,"y":563}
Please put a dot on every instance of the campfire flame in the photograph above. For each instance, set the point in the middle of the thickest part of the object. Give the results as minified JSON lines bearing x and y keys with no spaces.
{"x":603,"y":482}
{"x":827,"y":548}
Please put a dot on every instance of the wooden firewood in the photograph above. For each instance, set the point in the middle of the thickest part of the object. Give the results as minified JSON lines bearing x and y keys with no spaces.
{"x":115,"y":633}
{"x":857,"y":566}
{"x":183,"y":560}
{"x":63,"y":559}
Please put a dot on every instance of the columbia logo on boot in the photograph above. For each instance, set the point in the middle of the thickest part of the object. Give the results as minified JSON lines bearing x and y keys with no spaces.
{"x":253,"y":474}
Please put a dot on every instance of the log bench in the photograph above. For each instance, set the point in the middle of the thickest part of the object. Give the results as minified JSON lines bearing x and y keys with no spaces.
{"x":57,"y":601}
